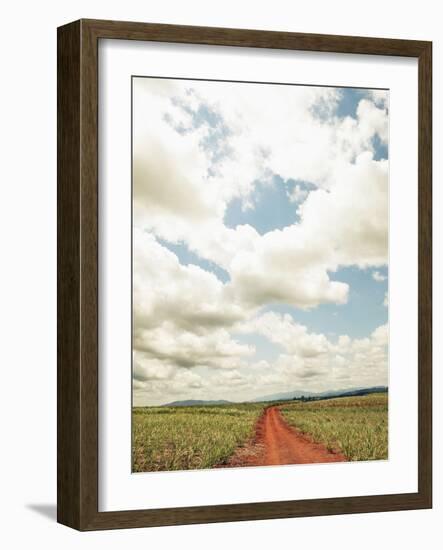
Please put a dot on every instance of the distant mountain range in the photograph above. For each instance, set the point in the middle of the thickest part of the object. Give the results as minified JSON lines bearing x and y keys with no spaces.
{"x":287,"y":396}
{"x":331,"y":393}
{"x":196,"y":402}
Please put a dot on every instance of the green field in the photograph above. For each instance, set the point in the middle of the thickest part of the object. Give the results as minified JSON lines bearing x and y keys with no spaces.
{"x":189,"y":438}
{"x":198,"y":437}
{"x":358,"y":426}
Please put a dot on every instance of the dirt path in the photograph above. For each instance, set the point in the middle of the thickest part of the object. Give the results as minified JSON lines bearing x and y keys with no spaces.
{"x":277,"y":443}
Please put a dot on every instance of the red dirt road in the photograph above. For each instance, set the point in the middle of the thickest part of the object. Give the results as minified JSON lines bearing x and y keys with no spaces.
{"x":277,"y":443}
{"x":283,"y":445}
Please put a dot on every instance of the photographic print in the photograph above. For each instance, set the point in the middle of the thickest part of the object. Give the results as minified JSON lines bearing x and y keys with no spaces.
{"x":260,"y":274}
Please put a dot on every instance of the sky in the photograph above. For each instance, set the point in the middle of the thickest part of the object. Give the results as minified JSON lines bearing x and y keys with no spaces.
{"x":260,"y":239}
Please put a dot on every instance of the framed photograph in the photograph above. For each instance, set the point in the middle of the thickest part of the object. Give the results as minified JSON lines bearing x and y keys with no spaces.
{"x":244,"y":274}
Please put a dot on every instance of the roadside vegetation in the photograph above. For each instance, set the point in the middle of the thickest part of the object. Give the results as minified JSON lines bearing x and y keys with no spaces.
{"x":200,"y":437}
{"x":357,"y":426}
{"x":189,"y":438}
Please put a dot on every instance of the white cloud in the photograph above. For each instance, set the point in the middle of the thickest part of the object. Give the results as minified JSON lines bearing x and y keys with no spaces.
{"x":341,"y":227}
{"x":169,"y":169}
{"x":379,"y":97}
{"x":349,"y":224}
{"x":372,"y":120}
{"x":181,"y":314}
{"x":297,"y":194}
{"x":183,"y":200}
{"x":312,"y":362}
{"x":186,"y":296}
{"x":186,"y":349}
{"x":379,"y":277}
{"x":184,"y":315}
{"x":178,"y":385}
{"x":292,"y":337}
{"x":285,"y":138}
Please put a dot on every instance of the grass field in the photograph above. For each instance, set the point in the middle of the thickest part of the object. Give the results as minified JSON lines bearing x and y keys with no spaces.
{"x":189,"y":438}
{"x":198,"y":437}
{"x":358,"y":426}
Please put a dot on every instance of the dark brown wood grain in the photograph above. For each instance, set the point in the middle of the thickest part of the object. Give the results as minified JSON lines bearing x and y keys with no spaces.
{"x":68,"y":275}
{"x":77,"y":172}
{"x":425,"y":273}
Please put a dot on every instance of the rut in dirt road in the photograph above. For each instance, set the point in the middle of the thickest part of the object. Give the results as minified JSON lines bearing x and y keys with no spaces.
{"x":283,"y":445}
{"x":277,"y":443}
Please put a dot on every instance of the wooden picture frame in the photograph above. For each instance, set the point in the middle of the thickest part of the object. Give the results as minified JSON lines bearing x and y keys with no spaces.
{"x":77,"y":456}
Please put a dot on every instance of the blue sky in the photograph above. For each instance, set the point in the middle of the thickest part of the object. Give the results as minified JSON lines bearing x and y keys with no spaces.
{"x":347,"y":106}
{"x":270,"y":208}
{"x":363,"y":312}
{"x":227,"y":157}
